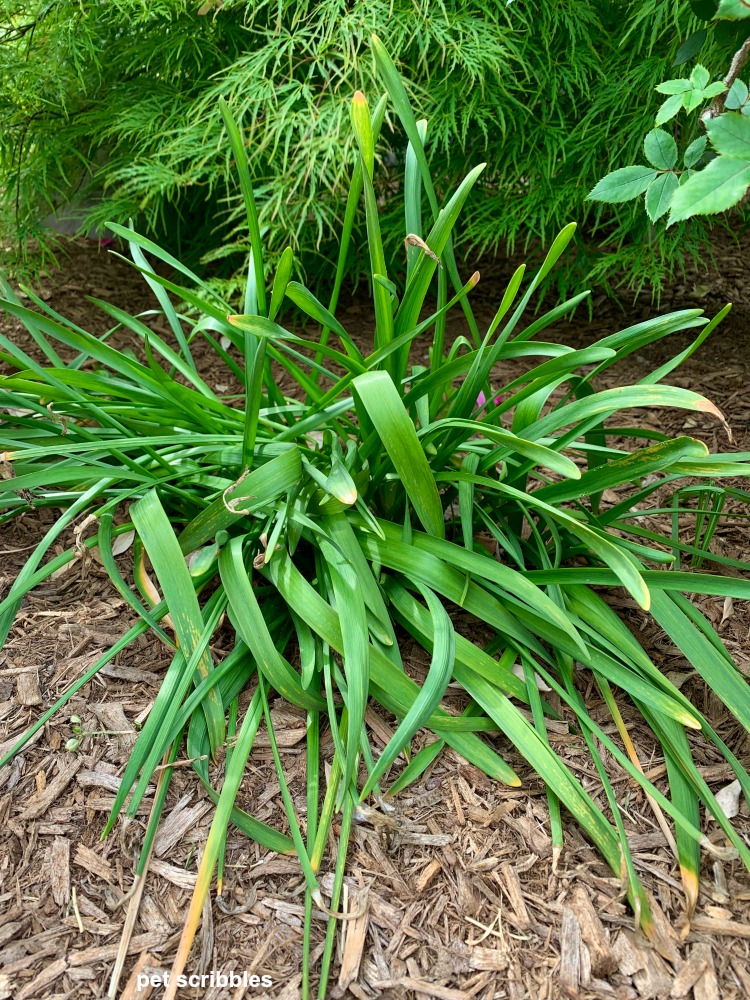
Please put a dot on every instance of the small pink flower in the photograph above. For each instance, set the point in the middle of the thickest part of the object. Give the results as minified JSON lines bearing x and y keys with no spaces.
{"x":482,"y":399}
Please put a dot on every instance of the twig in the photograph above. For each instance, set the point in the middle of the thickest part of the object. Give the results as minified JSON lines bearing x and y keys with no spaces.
{"x":739,"y":60}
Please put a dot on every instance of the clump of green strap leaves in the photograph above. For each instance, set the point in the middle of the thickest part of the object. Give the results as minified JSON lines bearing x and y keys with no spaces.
{"x":326,"y":523}
{"x":701,"y":166}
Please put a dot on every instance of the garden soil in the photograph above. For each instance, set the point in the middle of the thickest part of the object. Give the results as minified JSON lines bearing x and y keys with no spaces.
{"x":465,"y":899}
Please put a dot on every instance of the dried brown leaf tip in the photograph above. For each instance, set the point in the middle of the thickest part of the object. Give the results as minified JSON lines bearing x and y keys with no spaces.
{"x":412,"y":240}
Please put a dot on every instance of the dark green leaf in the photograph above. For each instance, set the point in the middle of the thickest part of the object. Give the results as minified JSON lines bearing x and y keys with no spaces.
{"x":690,"y":47}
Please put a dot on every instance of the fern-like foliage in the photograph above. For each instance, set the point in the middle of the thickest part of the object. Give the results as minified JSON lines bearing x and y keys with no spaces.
{"x":115,"y":107}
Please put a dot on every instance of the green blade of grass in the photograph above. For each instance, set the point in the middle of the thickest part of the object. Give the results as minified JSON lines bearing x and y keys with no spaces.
{"x":391,"y":686}
{"x":160,"y":542}
{"x":431,"y":694}
{"x":350,"y":607}
{"x":383,"y":405}
{"x":246,"y":186}
{"x":251,"y":626}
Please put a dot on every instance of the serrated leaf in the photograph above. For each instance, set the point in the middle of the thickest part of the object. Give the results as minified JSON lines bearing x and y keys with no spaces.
{"x":695,"y":150}
{"x":730,"y":135}
{"x":660,"y":149}
{"x":700,"y":77}
{"x":690,"y":47}
{"x":714,"y":89}
{"x":623,"y":184}
{"x":733,"y":10}
{"x":738,"y":94}
{"x":680,"y":86}
{"x":693,"y":100}
{"x":669,"y":109}
{"x":715,"y":188}
{"x":659,"y":195}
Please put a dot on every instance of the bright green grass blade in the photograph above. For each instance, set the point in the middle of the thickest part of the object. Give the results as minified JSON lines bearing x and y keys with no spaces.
{"x":233,"y":679}
{"x":246,"y":186}
{"x":418,"y":623}
{"x":185,"y":368}
{"x":248,"y":619}
{"x":391,"y":686}
{"x":683,"y":793}
{"x":417,"y":766}
{"x":397,"y":93}
{"x":26,"y":579}
{"x":339,"y":530}
{"x":338,"y":882}
{"x":304,"y":299}
{"x":281,"y":278}
{"x":264,"y":485}
{"x":37,"y":335}
{"x":550,"y":768}
{"x":509,"y":295}
{"x":680,"y":819}
{"x":625,"y":566}
{"x":350,"y":608}
{"x":726,"y":683}
{"x":458,"y":587}
{"x":679,"y":749}
{"x":113,"y":571}
{"x":122,"y":643}
{"x":511,"y":443}
{"x":537,"y":711}
{"x":167,"y":717}
{"x":302,"y":855}
{"x":431,"y":694}
{"x":350,"y":214}
{"x":153,"y":248}
{"x":166,"y":304}
{"x":469,"y":464}
{"x":101,"y":352}
{"x":374,"y":360}
{"x":438,"y":240}
{"x":232,"y":779}
{"x":160,"y":542}
{"x":231,"y":740}
{"x":671,"y":580}
{"x":413,"y":197}
{"x":551,"y":317}
{"x":381,"y":297}
{"x":627,"y":868}
{"x":658,"y":458}
{"x":658,"y":374}
{"x":621,"y":398}
{"x":268,"y":330}
{"x":559,"y":244}
{"x":383,"y":405}
{"x":453,"y":557}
